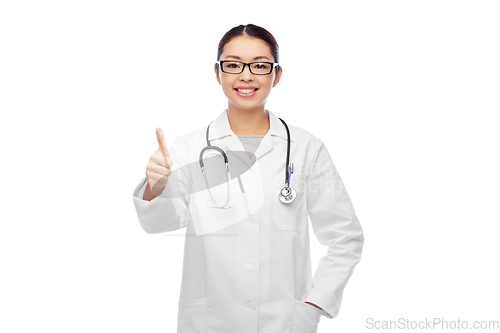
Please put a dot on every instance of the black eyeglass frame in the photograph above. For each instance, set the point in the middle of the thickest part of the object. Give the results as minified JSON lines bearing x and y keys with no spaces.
{"x":273,"y":65}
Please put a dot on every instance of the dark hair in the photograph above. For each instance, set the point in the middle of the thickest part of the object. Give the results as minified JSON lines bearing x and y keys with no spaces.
{"x":250,"y":30}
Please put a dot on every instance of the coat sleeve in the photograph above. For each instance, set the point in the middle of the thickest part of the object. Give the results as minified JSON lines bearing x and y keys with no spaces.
{"x":336,"y":226}
{"x":168,"y":211}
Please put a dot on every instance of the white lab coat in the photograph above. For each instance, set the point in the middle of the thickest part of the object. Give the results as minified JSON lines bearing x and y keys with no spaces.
{"x":252,"y":272}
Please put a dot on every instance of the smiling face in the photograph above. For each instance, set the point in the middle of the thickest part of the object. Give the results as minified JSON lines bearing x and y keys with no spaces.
{"x":247,"y":49}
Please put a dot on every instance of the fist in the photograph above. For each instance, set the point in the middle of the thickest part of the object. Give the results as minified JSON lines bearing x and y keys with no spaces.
{"x":159,"y":167}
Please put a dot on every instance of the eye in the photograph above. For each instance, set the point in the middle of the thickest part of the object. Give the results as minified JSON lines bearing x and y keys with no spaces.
{"x":232,"y":65}
{"x":261,"y":65}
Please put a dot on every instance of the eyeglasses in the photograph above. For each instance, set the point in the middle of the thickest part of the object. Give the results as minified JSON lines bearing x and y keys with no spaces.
{"x":237,"y":67}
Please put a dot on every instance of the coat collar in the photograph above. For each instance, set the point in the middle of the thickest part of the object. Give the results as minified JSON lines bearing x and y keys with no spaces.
{"x":222,"y":127}
{"x":221,"y":135}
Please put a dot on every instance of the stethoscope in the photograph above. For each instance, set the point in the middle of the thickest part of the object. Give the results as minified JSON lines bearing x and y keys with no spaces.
{"x":286,"y":195}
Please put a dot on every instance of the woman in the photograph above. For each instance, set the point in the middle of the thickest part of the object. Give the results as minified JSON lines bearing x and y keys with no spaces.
{"x":247,"y":265}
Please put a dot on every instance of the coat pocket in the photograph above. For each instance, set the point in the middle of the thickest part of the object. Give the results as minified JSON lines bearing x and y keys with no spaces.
{"x":305,"y":318}
{"x":192,"y":316}
{"x":291,"y":216}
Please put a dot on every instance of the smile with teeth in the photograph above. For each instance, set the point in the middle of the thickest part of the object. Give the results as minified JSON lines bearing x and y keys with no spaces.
{"x":246,"y":91}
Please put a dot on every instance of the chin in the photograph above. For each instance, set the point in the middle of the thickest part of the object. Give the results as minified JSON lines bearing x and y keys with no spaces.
{"x":249,"y":106}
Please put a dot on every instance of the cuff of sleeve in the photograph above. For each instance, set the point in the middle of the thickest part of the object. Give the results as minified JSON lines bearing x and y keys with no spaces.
{"x":141,"y":205}
{"x":142,"y":191}
{"x":320,"y":300}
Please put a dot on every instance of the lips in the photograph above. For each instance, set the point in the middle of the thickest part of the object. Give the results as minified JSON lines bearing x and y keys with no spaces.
{"x":246,"y":92}
{"x":246,"y":87}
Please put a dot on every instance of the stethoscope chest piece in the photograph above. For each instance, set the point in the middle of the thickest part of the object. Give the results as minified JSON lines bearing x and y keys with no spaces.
{"x":287,"y":194}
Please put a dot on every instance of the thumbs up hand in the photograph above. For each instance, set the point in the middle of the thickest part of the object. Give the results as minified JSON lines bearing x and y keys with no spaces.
{"x":158,"y":169}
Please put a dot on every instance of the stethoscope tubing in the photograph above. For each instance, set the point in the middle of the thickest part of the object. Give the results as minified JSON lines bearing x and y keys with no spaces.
{"x":288,"y":169}
{"x":287,"y":172}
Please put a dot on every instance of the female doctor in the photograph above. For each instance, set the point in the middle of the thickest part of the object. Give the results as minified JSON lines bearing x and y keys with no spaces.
{"x":247,"y":265}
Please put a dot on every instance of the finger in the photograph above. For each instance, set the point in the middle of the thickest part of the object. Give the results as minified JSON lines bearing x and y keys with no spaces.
{"x":157,"y":178}
{"x":159,"y":159}
{"x":161,"y":142}
{"x":160,"y":169}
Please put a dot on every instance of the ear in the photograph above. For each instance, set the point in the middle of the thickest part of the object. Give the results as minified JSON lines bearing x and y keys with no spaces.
{"x":278,"y":76}
{"x":216,"y":69}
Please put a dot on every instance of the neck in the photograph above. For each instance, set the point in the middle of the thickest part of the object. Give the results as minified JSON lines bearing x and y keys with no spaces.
{"x":248,"y":122}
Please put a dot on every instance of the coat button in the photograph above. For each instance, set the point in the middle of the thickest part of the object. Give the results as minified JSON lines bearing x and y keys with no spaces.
{"x":251,"y":262}
{"x":251,"y":219}
{"x":252,"y":306}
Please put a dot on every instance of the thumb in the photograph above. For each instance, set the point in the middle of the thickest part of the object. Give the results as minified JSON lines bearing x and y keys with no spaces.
{"x":161,"y":142}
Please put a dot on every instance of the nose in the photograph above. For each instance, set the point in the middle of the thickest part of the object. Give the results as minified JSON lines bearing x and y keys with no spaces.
{"x":246,"y":74}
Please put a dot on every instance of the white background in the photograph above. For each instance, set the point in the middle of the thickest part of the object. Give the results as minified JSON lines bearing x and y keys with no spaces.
{"x":405,"y":95}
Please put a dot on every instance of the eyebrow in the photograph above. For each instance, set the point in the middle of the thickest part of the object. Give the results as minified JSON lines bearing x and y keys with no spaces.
{"x":236,"y":57}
